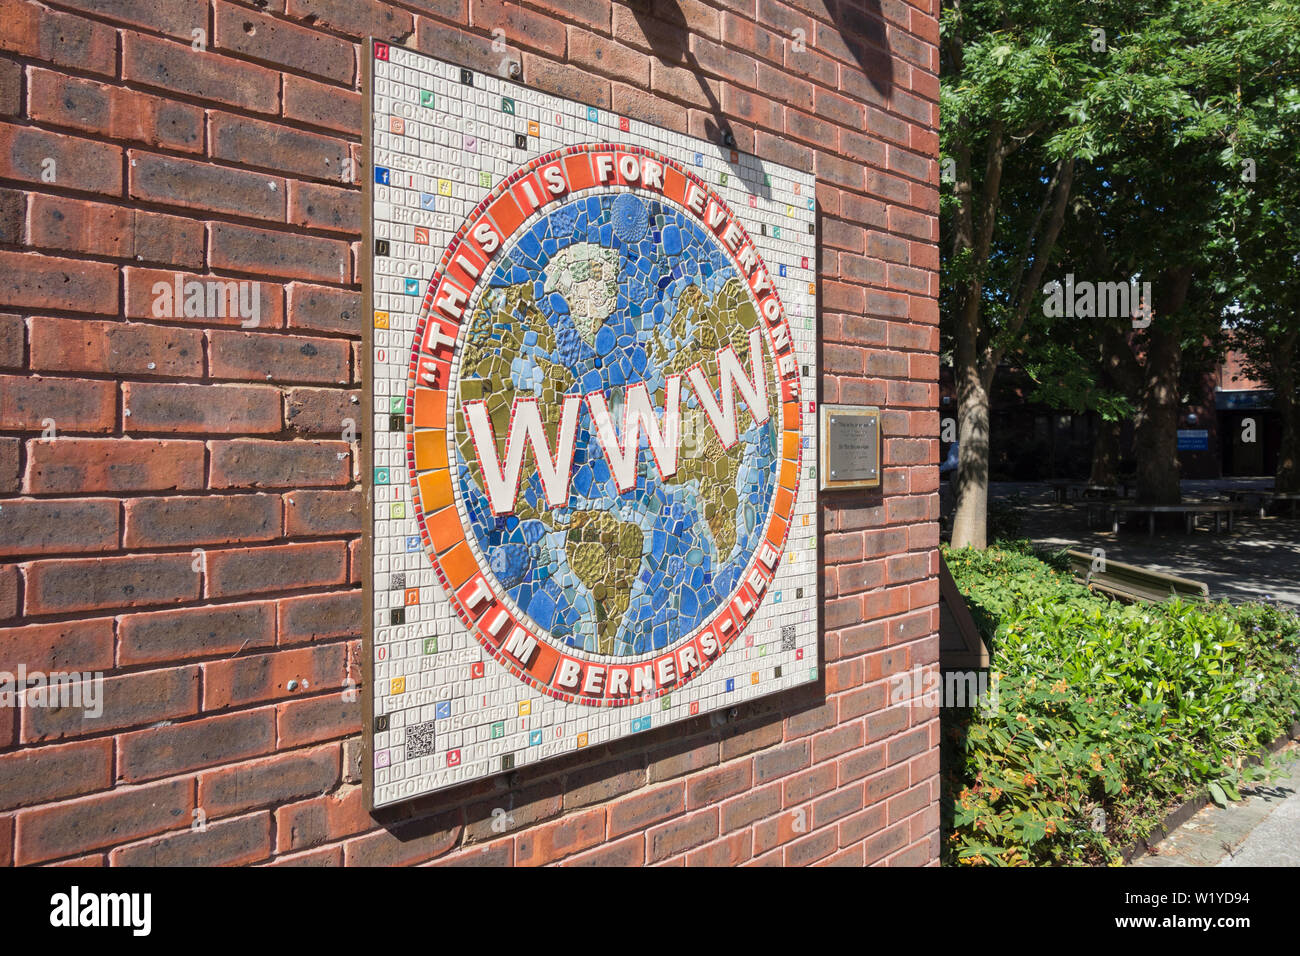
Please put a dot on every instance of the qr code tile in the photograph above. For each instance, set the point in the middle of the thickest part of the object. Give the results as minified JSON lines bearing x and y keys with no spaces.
{"x":419,"y":739}
{"x":397,"y":580}
{"x":787,"y":637}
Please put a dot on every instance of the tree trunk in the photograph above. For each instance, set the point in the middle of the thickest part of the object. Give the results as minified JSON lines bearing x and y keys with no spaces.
{"x":1284,"y":400}
{"x":970,"y":524}
{"x":1156,"y":425}
{"x":1105,"y":453}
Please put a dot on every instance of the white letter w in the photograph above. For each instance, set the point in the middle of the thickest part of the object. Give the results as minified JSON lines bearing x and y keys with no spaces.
{"x":502,"y":485}
{"x":731,"y":376}
{"x":638,"y":410}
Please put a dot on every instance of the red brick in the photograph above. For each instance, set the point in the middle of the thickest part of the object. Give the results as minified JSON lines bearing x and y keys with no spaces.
{"x":681,"y":757}
{"x":47,"y":774}
{"x":519,"y":808}
{"x":203,"y":409}
{"x":172,"y":17}
{"x":53,"y":527}
{"x":11,"y":92}
{"x":10,"y":464}
{"x":217,"y":300}
{"x":74,"y":405}
{"x":561,"y":80}
{"x":324,"y":309}
{"x":12,"y":339}
{"x":245,"y":32}
{"x":498,"y":854}
{"x":317,"y":617}
{"x":677,"y":836}
{"x":57,"y":38}
{"x":412,"y":842}
{"x":630,"y":851}
{"x":282,"y":464}
{"x":87,"y":823}
{"x":113,"y":112}
{"x":729,"y":851}
{"x":717,"y":784}
{"x":312,"y":513}
{"x":131,"y":700}
{"x":279,"y":568}
{"x":193,"y":744}
{"x":355,"y":17}
{"x":271,"y":781}
{"x":87,"y":465}
{"x":222,"y":843}
{"x":780,"y":761}
{"x":811,"y":848}
{"x":325,"y":856}
{"x":315,"y":206}
{"x":640,"y":810}
{"x":332,"y":816}
{"x":316,"y":104}
{"x":206,"y":76}
{"x":195,"y":632}
{"x":314,"y":719}
{"x":79,"y":164}
{"x":755,"y":805}
{"x":596,"y":54}
{"x":262,"y":252}
{"x":115,"y":348}
{"x":322,"y":411}
{"x":259,"y":357}
{"x":33,"y":282}
{"x":260,"y":677}
{"x":8,"y":592}
{"x":67,"y":646}
{"x":63,"y":585}
{"x":250,"y":142}
{"x":553,"y":841}
{"x":171,"y":181}
{"x":185,"y":521}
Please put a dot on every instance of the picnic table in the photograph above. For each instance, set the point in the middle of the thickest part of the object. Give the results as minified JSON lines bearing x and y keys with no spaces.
{"x":1192,"y":510}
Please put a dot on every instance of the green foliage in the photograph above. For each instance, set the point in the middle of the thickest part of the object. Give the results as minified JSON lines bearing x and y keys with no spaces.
{"x":1107,"y":714}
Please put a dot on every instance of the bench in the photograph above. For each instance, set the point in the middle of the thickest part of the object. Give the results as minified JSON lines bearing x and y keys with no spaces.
{"x":1129,"y":582}
{"x":1190,"y":510}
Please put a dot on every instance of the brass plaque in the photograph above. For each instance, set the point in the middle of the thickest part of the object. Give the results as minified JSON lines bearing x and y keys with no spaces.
{"x":850,"y":447}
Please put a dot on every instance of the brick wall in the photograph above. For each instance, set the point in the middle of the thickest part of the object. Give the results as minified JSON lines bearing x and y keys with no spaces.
{"x":127,"y":156}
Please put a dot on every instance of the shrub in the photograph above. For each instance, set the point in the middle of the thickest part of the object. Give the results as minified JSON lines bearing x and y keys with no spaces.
{"x":1107,"y":714}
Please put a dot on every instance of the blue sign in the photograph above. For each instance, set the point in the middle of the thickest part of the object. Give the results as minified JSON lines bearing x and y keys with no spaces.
{"x":1193,"y":439}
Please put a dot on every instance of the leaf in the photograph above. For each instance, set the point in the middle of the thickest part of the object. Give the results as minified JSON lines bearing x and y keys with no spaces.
{"x":1217,"y":795}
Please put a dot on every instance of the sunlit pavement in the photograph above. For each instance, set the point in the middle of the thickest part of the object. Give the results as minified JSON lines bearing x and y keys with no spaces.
{"x":1261,"y":830}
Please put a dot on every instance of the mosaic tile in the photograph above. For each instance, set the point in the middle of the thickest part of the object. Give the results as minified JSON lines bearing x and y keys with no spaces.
{"x":591,"y":359}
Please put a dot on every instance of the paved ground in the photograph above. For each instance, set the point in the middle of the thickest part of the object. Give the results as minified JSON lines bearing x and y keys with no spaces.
{"x":1262,"y":830}
{"x":1260,"y":559}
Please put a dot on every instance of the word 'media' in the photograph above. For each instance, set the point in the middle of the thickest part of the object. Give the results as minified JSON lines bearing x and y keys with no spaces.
{"x":1098,"y":300}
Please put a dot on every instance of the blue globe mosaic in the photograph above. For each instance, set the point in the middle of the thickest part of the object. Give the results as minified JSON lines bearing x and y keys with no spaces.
{"x":602,"y":293}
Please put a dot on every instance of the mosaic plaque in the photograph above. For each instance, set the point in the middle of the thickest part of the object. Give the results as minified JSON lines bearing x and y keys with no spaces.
{"x":592,"y":416}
